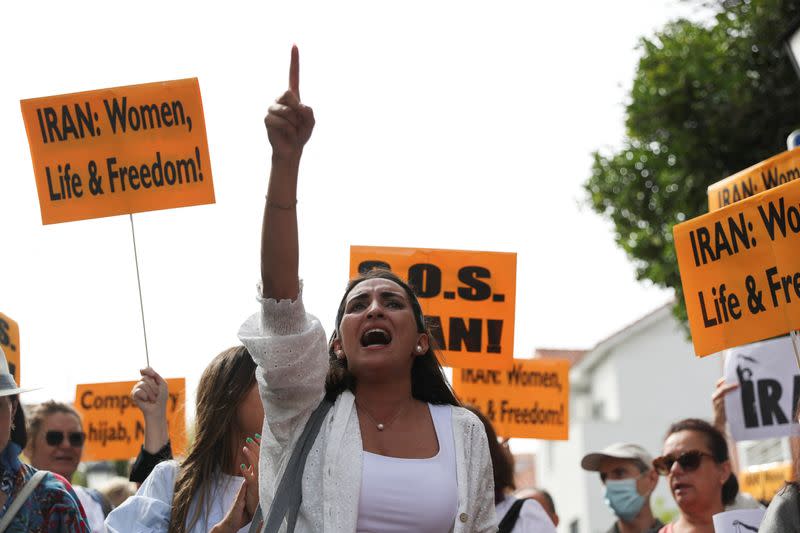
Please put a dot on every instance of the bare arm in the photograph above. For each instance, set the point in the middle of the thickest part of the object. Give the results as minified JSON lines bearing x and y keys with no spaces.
{"x":721,"y":419}
{"x":289,"y":124}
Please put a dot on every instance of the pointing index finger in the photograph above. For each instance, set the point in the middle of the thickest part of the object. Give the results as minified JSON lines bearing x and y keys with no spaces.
{"x":294,"y":72}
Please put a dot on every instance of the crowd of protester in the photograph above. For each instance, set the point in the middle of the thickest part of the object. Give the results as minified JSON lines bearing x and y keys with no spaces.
{"x":358,"y":432}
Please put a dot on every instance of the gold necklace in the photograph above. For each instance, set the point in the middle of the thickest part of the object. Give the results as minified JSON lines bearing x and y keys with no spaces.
{"x":380,"y":425}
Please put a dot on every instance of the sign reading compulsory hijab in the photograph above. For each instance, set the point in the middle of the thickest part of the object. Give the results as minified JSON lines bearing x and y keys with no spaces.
{"x":769,"y":388}
{"x":114,"y":426}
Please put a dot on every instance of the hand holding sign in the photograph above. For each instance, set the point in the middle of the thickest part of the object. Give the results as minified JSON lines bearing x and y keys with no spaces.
{"x":150,"y":394}
{"x":718,"y":402}
{"x":289,"y":122}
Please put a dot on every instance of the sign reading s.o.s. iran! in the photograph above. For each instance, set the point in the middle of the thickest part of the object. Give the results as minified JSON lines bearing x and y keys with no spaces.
{"x":468,"y":298}
{"x":118,"y":151}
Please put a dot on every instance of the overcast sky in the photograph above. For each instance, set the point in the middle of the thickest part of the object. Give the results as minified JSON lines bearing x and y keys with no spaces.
{"x":463,"y":125}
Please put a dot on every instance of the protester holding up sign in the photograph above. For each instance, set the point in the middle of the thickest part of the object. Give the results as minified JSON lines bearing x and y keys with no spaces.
{"x":394,"y":451}
{"x":697,"y":466}
{"x":30,"y":500}
{"x":150,"y":395}
{"x":212,"y":489}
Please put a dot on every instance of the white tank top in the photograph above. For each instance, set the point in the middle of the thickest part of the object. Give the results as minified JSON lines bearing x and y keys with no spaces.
{"x":402,"y":495}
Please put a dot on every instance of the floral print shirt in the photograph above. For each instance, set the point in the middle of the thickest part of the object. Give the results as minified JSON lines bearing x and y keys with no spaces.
{"x":53,"y":506}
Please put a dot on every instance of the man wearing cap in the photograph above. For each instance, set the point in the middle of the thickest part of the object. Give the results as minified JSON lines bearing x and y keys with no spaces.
{"x":626,"y":471}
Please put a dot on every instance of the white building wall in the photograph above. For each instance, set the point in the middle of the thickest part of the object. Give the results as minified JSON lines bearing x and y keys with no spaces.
{"x":648,"y":379}
{"x":604,"y":392}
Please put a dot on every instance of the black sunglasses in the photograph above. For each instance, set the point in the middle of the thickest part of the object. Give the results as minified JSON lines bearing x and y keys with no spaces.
{"x":688,"y":461}
{"x":75,"y":438}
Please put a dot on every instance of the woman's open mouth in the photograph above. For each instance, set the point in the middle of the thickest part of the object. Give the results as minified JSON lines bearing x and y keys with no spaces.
{"x":376,"y":338}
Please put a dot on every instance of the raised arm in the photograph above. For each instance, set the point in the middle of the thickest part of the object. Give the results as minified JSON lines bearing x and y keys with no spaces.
{"x":289,"y":124}
{"x":150,"y":395}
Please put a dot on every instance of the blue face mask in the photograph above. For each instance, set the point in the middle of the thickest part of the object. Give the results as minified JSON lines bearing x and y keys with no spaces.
{"x":623,"y":498}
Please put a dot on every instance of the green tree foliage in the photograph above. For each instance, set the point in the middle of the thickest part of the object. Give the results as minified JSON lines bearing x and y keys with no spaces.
{"x":708,"y":99}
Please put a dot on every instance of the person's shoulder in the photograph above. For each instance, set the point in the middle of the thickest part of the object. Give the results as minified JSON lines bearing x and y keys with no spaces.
{"x":165,"y":471}
{"x":162,"y":478}
{"x":467,"y":423}
{"x":53,"y":489}
{"x":531,"y":507}
{"x":534,"y":514}
{"x":55,"y":482}
{"x":160,"y":484}
{"x":466,"y":418}
{"x":789,"y":493}
{"x":781,"y":515}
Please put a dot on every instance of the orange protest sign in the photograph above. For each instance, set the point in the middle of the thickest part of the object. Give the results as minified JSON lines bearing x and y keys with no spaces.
{"x":768,"y":174}
{"x":118,"y":151}
{"x":113,"y":424}
{"x":740,"y":269}
{"x":530,"y":400}
{"x":9,"y":342}
{"x":467,"y":297}
{"x":762,"y":482}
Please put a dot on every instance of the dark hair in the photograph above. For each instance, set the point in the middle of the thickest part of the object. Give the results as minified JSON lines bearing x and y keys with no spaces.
{"x":223,"y":385}
{"x":428,"y":383}
{"x":502,"y":460}
{"x":719,"y":450}
{"x":18,"y":433}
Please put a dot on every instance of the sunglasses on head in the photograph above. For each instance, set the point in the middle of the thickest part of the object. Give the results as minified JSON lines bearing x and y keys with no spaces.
{"x":687,"y":460}
{"x":75,"y":438}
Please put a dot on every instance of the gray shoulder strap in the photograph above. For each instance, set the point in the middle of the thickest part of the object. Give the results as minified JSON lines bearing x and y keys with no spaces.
{"x":21,"y":498}
{"x":289,"y":494}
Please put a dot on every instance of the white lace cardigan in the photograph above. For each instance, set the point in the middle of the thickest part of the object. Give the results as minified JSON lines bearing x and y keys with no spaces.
{"x":291,"y":351}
